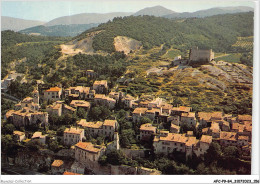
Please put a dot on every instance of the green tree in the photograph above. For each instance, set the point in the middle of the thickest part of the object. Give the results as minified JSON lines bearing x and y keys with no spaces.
{"x":127,"y":138}
{"x":54,"y":145}
{"x":81,"y":113}
{"x":33,"y":145}
{"x":8,"y":129}
{"x":102,"y":160}
{"x":61,"y":130}
{"x":115,"y":157}
{"x":8,"y":145}
{"x":213,"y":153}
{"x":231,"y":151}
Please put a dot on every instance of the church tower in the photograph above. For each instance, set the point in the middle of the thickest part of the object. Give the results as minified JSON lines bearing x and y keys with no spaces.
{"x":36,"y":96}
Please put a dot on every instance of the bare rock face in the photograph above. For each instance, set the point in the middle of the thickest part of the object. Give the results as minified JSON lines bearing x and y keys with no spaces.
{"x":125,"y":44}
{"x":80,"y":46}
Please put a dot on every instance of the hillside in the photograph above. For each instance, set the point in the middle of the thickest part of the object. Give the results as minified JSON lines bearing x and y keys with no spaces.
{"x":15,"y":24}
{"x":210,"y":12}
{"x":218,"y":32}
{"x":157,"y":11}
{"x":59,"y":30}
{"x":19,"y":51}
{"x":40,"y":58}
{"x":86,"y":18}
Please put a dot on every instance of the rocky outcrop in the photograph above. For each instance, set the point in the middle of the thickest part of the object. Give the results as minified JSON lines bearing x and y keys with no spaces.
{"x":35,"y":160}
{"x":125,"y":44}
{"x":80,"y":46}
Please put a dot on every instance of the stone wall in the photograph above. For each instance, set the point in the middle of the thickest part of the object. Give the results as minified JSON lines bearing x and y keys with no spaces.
{"x":96,"y":168}
{"x":43,"y":159}
{"x":131,"y":153}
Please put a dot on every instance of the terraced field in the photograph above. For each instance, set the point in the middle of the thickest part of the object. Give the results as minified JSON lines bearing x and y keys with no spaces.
{"x":233,"y":58}
{"x":244,"y":42}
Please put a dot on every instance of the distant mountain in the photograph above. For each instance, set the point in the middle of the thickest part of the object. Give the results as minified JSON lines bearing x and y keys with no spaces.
{"x":59,"y":30}
{"x":86,"y":18}
{"x":157,"y":11}
{"x":15,"y":24}
{"x":211,"y":12}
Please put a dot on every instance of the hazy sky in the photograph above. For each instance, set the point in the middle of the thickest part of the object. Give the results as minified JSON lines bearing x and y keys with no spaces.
{"x":48,"y":10}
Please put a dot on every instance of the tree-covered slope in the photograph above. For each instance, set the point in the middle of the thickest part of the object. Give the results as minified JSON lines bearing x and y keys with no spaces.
{"x":32,"y":49}
{"x":217,"y":32}
{"x":10,"y":38}
{"x":59,"y":30}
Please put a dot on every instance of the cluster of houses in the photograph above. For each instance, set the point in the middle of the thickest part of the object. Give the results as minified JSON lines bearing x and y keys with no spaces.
{"x":86,"y":154}
{"x":27,"y":113}
{"x":222,"y":128}
{"x":20,"y":136}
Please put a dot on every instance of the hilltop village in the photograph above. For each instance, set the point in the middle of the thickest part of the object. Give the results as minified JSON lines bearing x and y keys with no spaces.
{"x":82,"y":146}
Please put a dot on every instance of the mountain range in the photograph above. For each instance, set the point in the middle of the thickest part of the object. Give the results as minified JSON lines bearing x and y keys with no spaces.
{"x":97,"y":18}
{"x":16,"y":24}
{"x":157,"y":11}
{"x":58,"y":30}
{"x":210,"y":12}
{"x":86,"y":18}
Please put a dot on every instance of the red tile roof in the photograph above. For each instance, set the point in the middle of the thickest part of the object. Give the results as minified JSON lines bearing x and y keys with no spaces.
{"x":70,"y":173}
{"x":89,"y":147}
{"x":53,"y":89}
{"x":57,"y":163}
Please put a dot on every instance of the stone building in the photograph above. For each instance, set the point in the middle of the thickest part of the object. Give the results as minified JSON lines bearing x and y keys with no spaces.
{"x":174,"y":142}
{"x":116,"y":95}
{"x":18,"y":136}
{"x":179,"y":110}
{"x":57,"y":167}
{"x":27,"y":117}
{"x":29,"y":102}
{"x":40,"y":137}
{"x":100,"y":86}
{"x":101,"y":99}
{"x":59,"y":108}
{"x":78,"y":92}
{"x":203,"y":145}
{"x":174,"y":128}
{"x":201,"y":55}
{"x":189,"y":118}
{"x":146,"y":131}
{"x":129,"y":100}
{"x":138,"y":113}
{"x":86,"y":152}
{"x":80,"y":104}
{"x":73,"y":135}
{"x":99,"y":128}
{"x":54,"y":93}
{"x":109,"y":128}
{"x":91,"y":74}
{"x":205,"y":118}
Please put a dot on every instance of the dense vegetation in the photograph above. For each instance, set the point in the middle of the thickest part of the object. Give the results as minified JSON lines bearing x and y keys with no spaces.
{"x":26,"y":51}
{"x":59,"y":30}
{"x":218,"y":32}
{"x":11,"y":38}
